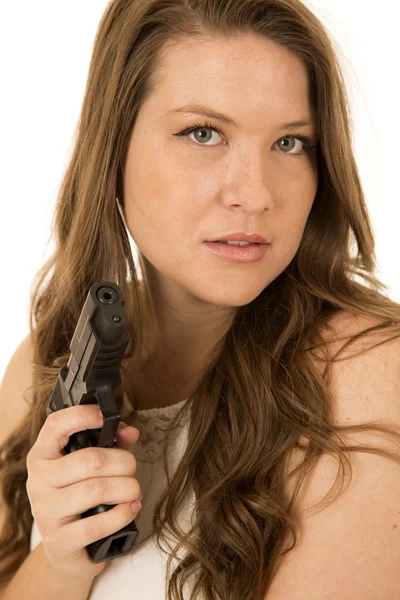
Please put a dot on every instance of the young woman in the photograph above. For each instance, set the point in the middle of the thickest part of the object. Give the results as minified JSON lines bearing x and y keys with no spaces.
{"x":215,"y":137}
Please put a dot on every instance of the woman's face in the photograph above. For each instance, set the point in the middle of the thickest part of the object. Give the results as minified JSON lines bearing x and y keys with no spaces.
{"x":182,"y":190}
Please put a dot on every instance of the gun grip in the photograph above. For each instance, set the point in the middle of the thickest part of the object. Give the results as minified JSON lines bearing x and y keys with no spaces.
{"x":115,"y":545}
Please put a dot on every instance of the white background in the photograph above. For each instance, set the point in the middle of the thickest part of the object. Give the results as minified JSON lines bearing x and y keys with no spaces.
{"x":45,"y":50}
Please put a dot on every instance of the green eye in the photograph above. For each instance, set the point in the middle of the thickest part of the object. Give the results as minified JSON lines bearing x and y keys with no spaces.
{"x":308,"y":145}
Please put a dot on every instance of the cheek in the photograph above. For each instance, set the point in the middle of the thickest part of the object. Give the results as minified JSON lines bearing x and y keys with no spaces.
{"x":291,"y":220}
{"x":298,"y":198}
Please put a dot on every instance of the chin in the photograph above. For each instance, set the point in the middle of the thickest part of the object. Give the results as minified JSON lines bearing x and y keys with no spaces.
{"x":231,"y":298}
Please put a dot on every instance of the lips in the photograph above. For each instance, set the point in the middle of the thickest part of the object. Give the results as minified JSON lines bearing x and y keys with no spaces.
{"x":233,"y":253}
{"x":225,"y":242}
{"x":241,"y":236}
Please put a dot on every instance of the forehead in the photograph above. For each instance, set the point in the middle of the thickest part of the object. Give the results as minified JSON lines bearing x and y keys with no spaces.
{"x":246,"y":73}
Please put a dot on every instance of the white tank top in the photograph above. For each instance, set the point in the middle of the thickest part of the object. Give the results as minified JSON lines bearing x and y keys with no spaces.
{"x":142,"y":573}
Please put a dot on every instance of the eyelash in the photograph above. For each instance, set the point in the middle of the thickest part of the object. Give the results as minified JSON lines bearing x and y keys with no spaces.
{"x":308,"y":145}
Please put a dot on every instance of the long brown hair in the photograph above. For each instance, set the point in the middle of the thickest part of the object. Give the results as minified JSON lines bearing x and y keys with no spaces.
{"x":261,"y":391}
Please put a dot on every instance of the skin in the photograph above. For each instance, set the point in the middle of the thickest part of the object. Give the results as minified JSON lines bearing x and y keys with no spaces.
{"x":181,"y":191}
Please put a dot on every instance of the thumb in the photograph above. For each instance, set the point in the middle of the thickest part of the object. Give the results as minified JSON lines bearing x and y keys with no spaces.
{"x":127,"y":435}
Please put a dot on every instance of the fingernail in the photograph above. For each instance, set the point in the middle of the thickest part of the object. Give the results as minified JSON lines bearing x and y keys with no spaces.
{"x":136,"y":506}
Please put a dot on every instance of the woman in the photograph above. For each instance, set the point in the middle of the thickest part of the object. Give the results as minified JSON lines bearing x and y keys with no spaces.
{"x":230,"y":372}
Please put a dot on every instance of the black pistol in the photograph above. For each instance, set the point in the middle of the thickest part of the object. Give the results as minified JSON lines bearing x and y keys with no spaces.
{"x":92,"y":373}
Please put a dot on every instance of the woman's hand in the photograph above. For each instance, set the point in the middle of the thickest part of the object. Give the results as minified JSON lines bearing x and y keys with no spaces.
{"x":62,"y":486}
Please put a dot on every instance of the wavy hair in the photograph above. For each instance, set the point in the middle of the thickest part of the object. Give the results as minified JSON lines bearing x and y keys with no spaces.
{"x":261,"y":392}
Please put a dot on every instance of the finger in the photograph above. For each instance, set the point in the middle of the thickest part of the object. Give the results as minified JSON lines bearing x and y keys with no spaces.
{"x":127,"y":435}
{"x":87,"y":463}
{"x":80,"y":497}
{"x":60,"y":425}
{"x":82,"y":532}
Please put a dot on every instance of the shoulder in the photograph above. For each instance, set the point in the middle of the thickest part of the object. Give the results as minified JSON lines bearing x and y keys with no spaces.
{"x":364,"y":382}
{"x":360,"y":525}
{"x":18,"y":372}
{"x":363,"y":387}
{"x":345,"y":325}
{"x":15,"y":389}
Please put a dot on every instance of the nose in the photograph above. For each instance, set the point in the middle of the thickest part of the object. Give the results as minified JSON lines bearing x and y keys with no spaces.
{"x":248,"y":188}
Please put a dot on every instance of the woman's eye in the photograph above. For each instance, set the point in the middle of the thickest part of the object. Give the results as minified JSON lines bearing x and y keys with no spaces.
{"x":304,"y":140}
{"x":201,"y":138}
{"x":199,"y":131}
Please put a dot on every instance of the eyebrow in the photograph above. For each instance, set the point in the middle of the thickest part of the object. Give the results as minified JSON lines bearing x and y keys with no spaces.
{"x":200,"y":109}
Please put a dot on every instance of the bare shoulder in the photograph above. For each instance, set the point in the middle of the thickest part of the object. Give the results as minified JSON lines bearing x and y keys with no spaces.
{"x":361,"y":527}
{"x":365,"y":381}
{"x":344,"y":325}
{"x":15,"y":389}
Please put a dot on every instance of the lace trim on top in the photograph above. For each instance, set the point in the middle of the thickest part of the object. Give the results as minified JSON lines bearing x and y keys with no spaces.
{"x":154,"y":424}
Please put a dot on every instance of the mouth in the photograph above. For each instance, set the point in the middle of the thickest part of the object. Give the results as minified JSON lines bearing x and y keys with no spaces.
{"x":239,"y":252}
{"x":242,"y":237}
{"x":241,"y":245}
{"x":231,"y":244}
